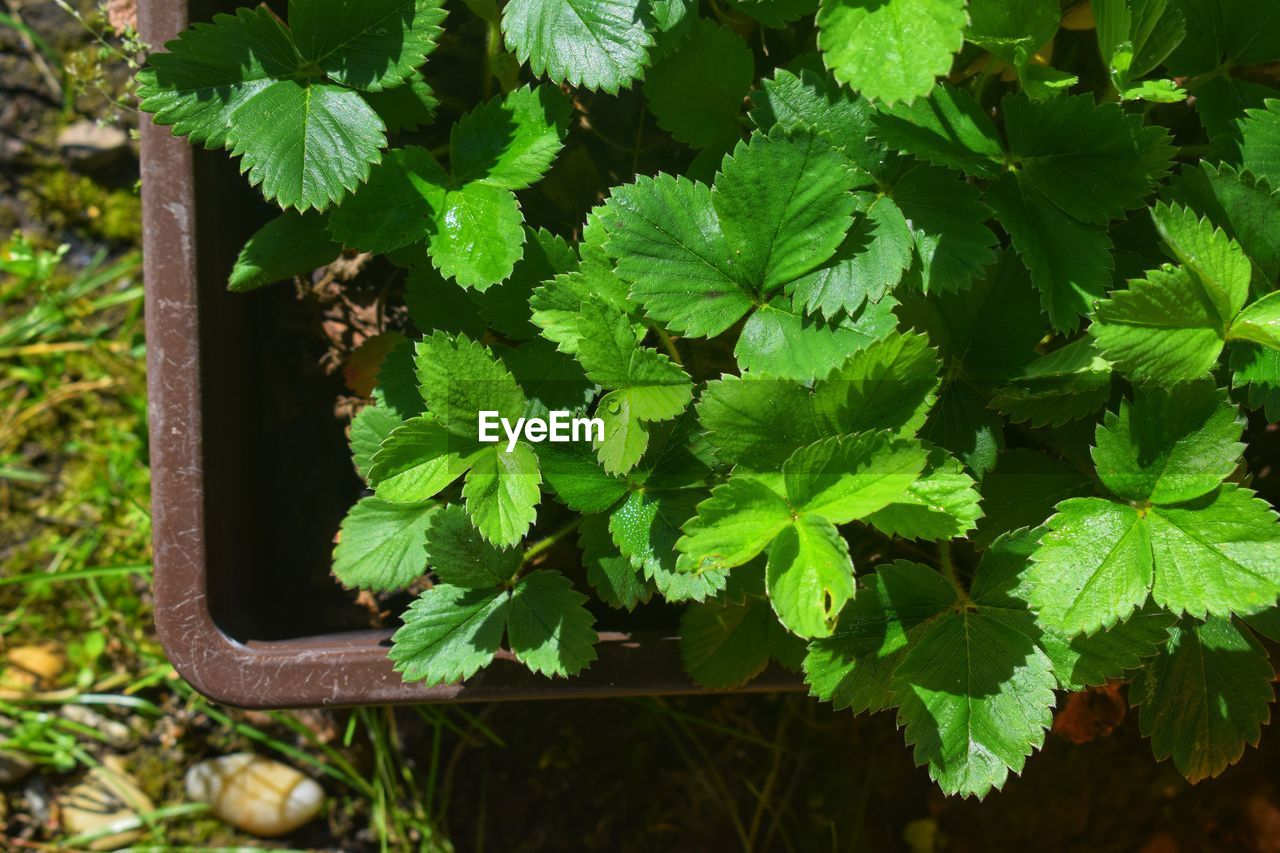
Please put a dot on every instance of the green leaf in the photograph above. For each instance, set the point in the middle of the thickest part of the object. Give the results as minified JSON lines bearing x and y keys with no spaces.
{"x":853,"y":668}
{"x":479,"y":235}
{"x":1070,"y":261}
{"x":372,"y":45}
{"x":1219,"y":555}
{"x":1260,"y":323}
{"x":1135,"y":36}
{"x":732,"y":526}
{"x":668,"y":244}
{"x":784,"y":206}
{"x":369,"y":428}
{"x":1170,"y":445}
{"x":947,"y":129}
{"x":1225,"y":32}
{"x":460,"y":377}
{"x":418,"y":459}
{"x":1092,"y":161}
{"x":572,"y":472}
{"x":380,"y":544}
{"x":557,"y":303}
{"x":1205,"y":697}
{"x":1216,"y":260}
{"x":1064,"y":385}
{"x":1012,"y":31}
{"x":842,"y":479}
{"x":1082,"y":662}
{"x":449,"y":634}
{"x":867,"y":265}
{"x":502,"y":493}
{"x":976,"y":696}
{"x":614,"y":577}
{"x":890,"y":51}
{"x":889,"y":385}
{"x":696,"y":91}
{"x":1093,"y":567}
{"x":196,"y":84}
{"x":460,"y":557}
{"x":306,"y":145}
{"x":597,"y":44}
{"x":780,"y":340}
{"x":806,"y":99}
{"x":946,"y":215}
{"x":1164,"y":327}
{"x":626,"y":436}
{"x":809,"y":576}
{"x":724,"y":645}
{"x":510,"y":142}
{"x":1023,"y":490}
{"x":289,"y":245}
{"x":549,"y":629}
{"x":1257,"y":369}
{"x":406,"y":107}
{"x":1240,"y":203}
{"x":506,"y":306}
{"x":962,"y":423}
{"x":399,"y":205}
{"x":653,"y":387}
{"x":646,"y":528}
{"x":943,"y":503}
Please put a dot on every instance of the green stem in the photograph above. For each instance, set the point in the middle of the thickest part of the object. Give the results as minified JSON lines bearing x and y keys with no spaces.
{"x":949,"y":572}
{"x":543,"y":544}
{"x":668,"y":344}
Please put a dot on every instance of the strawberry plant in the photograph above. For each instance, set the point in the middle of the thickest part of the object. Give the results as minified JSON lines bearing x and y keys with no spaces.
{"x":924,"y":347}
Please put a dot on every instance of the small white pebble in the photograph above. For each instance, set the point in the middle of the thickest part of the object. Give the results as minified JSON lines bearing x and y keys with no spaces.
{"x":257,"y":795}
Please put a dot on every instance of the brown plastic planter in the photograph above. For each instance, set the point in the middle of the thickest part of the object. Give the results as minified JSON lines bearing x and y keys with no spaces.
{"x":246,"y":500}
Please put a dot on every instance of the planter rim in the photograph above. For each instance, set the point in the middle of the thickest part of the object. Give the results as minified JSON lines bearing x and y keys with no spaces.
{"x":330,"y":669}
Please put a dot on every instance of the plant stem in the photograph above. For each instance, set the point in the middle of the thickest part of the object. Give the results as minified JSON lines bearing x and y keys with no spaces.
{"x":543,"y":544}
{"x":668,"y":344}
{"x":949,"y":572}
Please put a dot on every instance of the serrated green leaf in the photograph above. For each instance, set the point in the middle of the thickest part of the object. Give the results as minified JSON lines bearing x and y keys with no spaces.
{"x":890,"y":51}
{"x":1205,"y":697}
{"x":196,"y":85}
{"x":1070,"y":261}
{"x":947,"y":129}
{"x":506,"y":305}
{"x":406,"y":107}
{"x":380,"y":544}
{"x":1135,"y":36}
{"x":626,"y":435}
{"x":1083,"y":662}
{"x":1170,"y":445}
{"x":668,"y":244}
{"x":510,"y":141}
{"x":853,"y":668}
{"x":1163,"y":327}
{"x":1092,"y":161}
{"x":459,"y":378}
{"x":952,"y":244}
{"x":577,"y":479}
{"x":780,"y":340}
{"x":696,"y":91}
{"x":725,"y":645}
{"x":976,"y":696}
{"x":732,"y":526}
{"x":449,"y":634}
{"x":1023,"y":490}
{"x":943,"y":503}
{"x":306,"y":145}
{"x":810,"y":100}
{"x":784,"y":206}
{"x":1012,"y":31}
{"x":1240,"y":203}
{"x":867,"y":265}
{"x":809,"y":576}
{"x":616,"y":580}
{"x":501,"y":492}
{"x":1219,"y":555}
{"x":1216,"y":260}
{"x":1259,"y":323}
{"x":418,"y":459}
{"x":596,"y":44}
{"x":1093,"y":567}
{"x":1064,"y":385}
{"x":549,"y":629}
{"x":842,"y":479}
{"x":1257,"y":369}
{"x":369,"y":428}
{"x":289,"y":245}
{"x":371,"y":45}
{"x":479,"y":235}
{"x":460,"y":557}
{"x":399,"y":205}
{"x":962,"y":423}
{"x":889,"y":385}
{"x":1220,"y":32}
